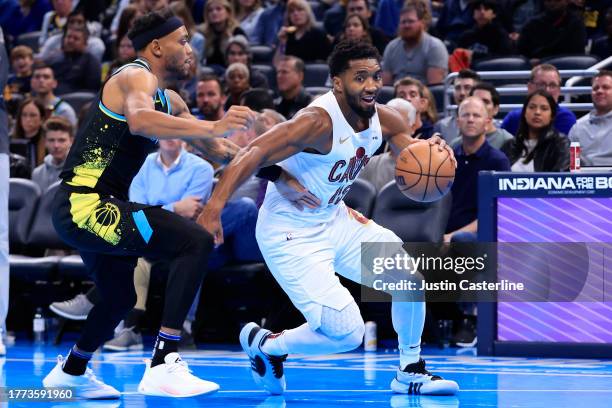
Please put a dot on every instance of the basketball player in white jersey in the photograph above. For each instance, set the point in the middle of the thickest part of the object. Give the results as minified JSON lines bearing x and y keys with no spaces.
{"x":325,"y":146}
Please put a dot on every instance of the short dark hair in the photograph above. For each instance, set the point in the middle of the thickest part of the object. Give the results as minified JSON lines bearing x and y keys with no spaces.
{"x":603,"y":73}
{"x":408,"y":81}
{"x":57,"y":123}
{"x":257,"y":99}
{"x":214,"y":78}
{"x":487,"y":86}
{"x":148,"y":22}
{"x":40,"y":64}
{"x":298,"y":63}
{"x":347,"y":51}
{"x":468,"y":74}
{"x":490,"y":4}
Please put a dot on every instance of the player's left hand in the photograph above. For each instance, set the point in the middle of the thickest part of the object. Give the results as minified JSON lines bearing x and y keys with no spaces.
{"x":295,"y":192}
{"x":210,"y":220}
{"x":442,"y":145}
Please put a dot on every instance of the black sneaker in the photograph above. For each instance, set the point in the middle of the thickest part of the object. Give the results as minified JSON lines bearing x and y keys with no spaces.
{"x":466,"y":335}
{"x":267,"y":370}
{"x":415,"y":379}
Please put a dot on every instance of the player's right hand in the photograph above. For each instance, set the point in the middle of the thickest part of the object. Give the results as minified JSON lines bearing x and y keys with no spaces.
{"x":210,"y":220}
{"x":236,"y":118}
{"x":189,"y":207}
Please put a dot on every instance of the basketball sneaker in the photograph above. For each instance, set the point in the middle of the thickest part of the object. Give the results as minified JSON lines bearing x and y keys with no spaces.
{"x":267,"y":370}
{"x":126,"y":339}
{"x":415,"y":379}
{"x":76,"y":308}
{"x":173,"y":379}
{"x":85,"y":386}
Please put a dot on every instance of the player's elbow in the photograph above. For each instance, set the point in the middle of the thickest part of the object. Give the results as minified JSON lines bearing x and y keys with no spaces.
{"x":137,"y":125}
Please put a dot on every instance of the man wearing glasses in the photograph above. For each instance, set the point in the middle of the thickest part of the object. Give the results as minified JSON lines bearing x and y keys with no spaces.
{"x":545,"y":77}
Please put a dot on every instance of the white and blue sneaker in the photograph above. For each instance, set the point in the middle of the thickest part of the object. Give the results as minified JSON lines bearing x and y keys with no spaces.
{"x":267,"y":370}
{"x":85,"y":386}
{"x":415,"y":379}
{"x":173,"y":379}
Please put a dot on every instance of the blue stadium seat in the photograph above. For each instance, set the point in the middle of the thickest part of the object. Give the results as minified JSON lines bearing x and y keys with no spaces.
{"x":317,"y":90}
{"x":514,"y":63}
{"x":438,"y":93}
{"x":385,"y":94}
{"x":572,"y":61}
{"x":29,"y":39}
{"x":412,"y":221}
{"x":262,"y":54}
{"x":361,"y":197}
{"x":23,"y":201}
{"x":269,"y":72}
{"x":78,"y":99}
{"x":315,"y":74}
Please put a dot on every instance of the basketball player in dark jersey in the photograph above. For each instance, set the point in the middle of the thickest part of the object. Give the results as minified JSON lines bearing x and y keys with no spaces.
{"x":93,"y":214}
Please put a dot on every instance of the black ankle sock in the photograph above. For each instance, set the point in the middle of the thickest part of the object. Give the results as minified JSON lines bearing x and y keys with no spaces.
{"x":164,"y":345}
{"x":76,"y":363}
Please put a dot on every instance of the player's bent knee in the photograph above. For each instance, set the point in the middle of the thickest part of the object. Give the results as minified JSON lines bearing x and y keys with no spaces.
{"x":345,"y":326}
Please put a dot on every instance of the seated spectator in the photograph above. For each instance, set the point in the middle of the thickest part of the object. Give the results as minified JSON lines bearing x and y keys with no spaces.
{"x":20,"y":17}
{"x":455,"y":18}
{"x":196,"y":39}
{"x":21,"y":62}
{"x":593,"y":14}
{"x":126,"y":19}
{"x":55,"y":20}
{"x":75,"y":68}
{"x":219,"y":25}
{"x":257,"y":99}
{"x":125,"y":53}
{"x":487,"y":38}
{"x":592,"y":131}
{"x":490,"y":97}
{"x":300,"y":37}
{"x":237,"y":80}
{"x":473,"y":155}
{"x":43,"y":85}
{"x":139,"y":8}
{"x":462,"y":85}
{"x":538,"y":146}
{"x":380,"y":170}
{"x":268,"y":25}
{"x":210,"y":98}
{"x":29,"y":129}
{"x":602,"y":46}
{"x":58,"y":136}
{"x":53,"y":44}
{"x":557,"y":31}
{"x":414,"y":91}
{"x":248,"y":13}
{"x":543,"y":77}
{"x":516,"y":13}
{"x":239,"y":50}
{"x":355,"y":29}
{"x":362,"y":8}
{"x":289,"y":81}
{"x":414,"y":52}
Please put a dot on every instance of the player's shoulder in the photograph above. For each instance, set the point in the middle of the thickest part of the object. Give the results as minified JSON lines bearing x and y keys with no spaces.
{"x":314,"y":115}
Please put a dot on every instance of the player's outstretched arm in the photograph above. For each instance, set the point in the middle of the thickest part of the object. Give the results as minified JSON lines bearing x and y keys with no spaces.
{"x":396,"y":132}
{"x":310,"y":129}
{"x":138,"y":108}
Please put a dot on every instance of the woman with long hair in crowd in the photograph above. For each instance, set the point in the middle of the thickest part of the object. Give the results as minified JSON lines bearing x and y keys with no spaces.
{"x":248,"y":13}
{"x":356,"y":28}
{"x":28,"y":129}
{"x":537,"y":145}
{"x":219,"y":26}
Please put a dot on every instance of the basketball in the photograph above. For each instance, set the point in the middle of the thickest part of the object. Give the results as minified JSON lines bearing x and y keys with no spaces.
{"x":423,"y":173}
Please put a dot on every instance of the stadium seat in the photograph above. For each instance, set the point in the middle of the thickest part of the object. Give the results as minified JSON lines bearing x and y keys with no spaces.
{"x":571,"y":61}
{"x":23,"y":200}
{"x":438,"y":92}
{"x":262,"y":54}
{"x":315,"y":74}
{"x":29,"y":39}
{"x":78,"y":99}
{"x":361,"y":197}
{"x":42,"y":233}
{"x":317,"y":90}
{"x":412,"y":221}
{"x":269,"y":72}
{"x":515,"y":63}
{"x":386,"y":94}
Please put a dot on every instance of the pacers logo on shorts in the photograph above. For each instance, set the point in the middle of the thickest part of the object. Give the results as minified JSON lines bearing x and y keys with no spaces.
{"x":104,"y":221}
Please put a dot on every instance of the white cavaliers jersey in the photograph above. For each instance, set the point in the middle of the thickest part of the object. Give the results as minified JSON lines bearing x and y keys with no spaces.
{"x":327,"y":176}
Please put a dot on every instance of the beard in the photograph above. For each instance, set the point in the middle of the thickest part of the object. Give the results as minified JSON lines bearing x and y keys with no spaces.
{"x":176,"y":68}
{"x":353,"y":103}
{"x":210,"y":110}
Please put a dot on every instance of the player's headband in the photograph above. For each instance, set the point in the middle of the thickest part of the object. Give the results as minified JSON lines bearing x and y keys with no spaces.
{"x":142,"y":39}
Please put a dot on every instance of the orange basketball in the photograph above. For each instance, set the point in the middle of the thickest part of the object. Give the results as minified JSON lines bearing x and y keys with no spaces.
{"x":423,"y":173}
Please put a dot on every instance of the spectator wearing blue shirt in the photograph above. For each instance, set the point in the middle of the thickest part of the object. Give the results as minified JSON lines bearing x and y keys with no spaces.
{"x":387,"y":16}
{"x":543,"y":77}
{"x":456,"y":18}
{"x":269,"y":24}
{"x":473,"y":155}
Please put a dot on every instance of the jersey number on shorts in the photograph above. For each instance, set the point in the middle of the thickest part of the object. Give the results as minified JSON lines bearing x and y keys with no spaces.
{"x":339,"y":195}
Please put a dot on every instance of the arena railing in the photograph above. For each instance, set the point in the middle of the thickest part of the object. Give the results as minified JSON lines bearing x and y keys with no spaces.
{"x":571,"y":83}
{"x":522,"y":90}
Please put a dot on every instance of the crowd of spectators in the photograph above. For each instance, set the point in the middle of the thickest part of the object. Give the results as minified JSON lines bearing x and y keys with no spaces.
{"x":81,"y":43}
